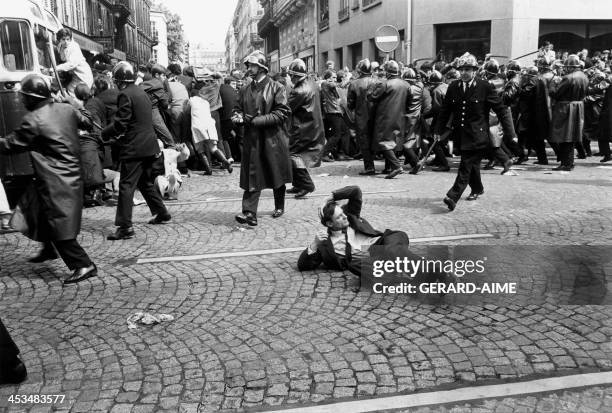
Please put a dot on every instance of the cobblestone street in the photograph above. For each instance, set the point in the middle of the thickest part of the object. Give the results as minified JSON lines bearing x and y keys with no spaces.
{"x":253,"y":333}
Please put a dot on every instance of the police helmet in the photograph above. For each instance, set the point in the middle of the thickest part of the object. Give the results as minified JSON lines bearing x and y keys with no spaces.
{"x":35,"y":85}
{"x":409,"y":74}
{"x":492,"y":66}
{"x":257,"y":58}
{"x":435,"y":77}
{"x":364,"y":66}
{"x":467,"y":60}
{"x":514,"y":66}
{"x":297,"y":68}
{"x":392,"y":68}
{"x":124,"y":72}
{"x":572,"y":61}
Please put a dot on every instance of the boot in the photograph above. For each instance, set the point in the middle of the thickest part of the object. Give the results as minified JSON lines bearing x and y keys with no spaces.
{"x":205,"y":163}
{"x":221,"y":157}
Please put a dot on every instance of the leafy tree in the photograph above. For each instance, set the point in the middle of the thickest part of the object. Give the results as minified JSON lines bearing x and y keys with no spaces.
{"x":176,"y":39}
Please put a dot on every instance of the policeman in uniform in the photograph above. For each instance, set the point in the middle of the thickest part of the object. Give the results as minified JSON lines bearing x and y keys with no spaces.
{"x":568,"y":111}
{"x":356,"y":100}
{"x":468,"y":101}
{"x":306,"y":133}
{"x":138,"y":151}
{"x":52,"y":206}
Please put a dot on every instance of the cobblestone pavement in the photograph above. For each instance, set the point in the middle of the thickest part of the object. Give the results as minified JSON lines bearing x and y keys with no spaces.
{"x":254,"y":333}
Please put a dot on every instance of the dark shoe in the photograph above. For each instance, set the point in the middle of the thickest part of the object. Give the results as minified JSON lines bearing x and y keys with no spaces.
{"x":81,"y":274}
{"x":369,"y":172}
{"x":441,"y":169}
{"x":385,"y":171}
{"x":121,"y":233}
{"x":507,"y":166}
{"x":521,"y":159}
{"x":343,"y":158}
{"x":301,"y":194}
{"x":247,"y":218}
{"x":44,"y":255}
{"x":563,"y":168}
{"x":14,"y":374}
{"x":160,"y":219}
{"x":489,"y":166}
{"x":293,"y":190}
{"x":278,"y":213}
{"x":540,"y":163}
{"x":326,"y":159}
{"x":415,"y":170}
{"x":474,"y":196}
{"x":229,"y":167}
{"x":394,"y":173}
{"x":606,"y":158}
{"x":449,"y":203}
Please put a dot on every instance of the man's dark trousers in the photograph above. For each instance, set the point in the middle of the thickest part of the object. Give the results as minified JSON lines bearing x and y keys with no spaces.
{"x":468,"y":174}
{"x":365,"y":144}
{"x":250,"y":200}
{"x":302,"y":179}
{"x":73,"y":255}
{"x":566,"y":153}
{"x":333,"y":127}
{"x":8,"y":349}
{"x":137,"y":173}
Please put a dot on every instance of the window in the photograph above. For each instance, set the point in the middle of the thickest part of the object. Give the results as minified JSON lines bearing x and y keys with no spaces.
{"x":323,"y":14}
{"x":453,"y":40}
{"x":42,"y":38}
{"x":15,"y":45}
{"x":343,"y":12}
{"x":369,"y":3}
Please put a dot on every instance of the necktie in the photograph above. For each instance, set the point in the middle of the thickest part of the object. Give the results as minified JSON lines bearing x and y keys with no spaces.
{"x":465,"y":86}
{"x":347,"y":247}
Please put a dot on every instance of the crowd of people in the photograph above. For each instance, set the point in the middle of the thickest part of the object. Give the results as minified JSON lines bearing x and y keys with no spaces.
{"x":146,"y":127}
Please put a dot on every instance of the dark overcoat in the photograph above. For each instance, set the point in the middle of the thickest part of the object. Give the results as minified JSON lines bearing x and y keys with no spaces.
{"x":265,"y":156}
{"x":392,"y":99}
{"x":567,"y":120}
{"x":306,"y":132}
{"x":49,"y":132}
{"x":605,"y":120}
{"x":356,"y":100}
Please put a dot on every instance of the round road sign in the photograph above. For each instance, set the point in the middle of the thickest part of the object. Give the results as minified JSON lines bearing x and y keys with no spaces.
{"x":387,"y":38}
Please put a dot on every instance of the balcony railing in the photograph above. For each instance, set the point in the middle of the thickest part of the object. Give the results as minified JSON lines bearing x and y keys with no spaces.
{"x":343,"y":14}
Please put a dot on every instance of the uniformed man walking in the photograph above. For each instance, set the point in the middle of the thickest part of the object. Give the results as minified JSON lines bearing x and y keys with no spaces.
{"x":469,"y":101}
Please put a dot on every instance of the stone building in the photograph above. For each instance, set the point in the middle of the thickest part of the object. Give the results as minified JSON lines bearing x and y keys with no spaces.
{"x":244,"y":22}
{"x":159,"y":31}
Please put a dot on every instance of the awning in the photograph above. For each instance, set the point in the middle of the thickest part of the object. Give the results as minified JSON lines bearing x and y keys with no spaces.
{"x":87,"y":44}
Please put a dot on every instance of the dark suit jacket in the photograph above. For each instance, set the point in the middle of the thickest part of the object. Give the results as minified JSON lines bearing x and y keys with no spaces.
{"x":325,"y":251}
{"x":134,"y":120}
{"x":470,"y":114}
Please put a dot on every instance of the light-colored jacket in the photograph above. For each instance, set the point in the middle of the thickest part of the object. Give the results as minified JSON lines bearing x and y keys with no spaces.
{"x":75,"y":63}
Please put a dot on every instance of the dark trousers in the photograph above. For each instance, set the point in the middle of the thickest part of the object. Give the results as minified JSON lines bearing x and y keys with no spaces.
{"x":440,"y":156}
{"x":137,"y":173}
{"x":566,"y":153}
{"x":604,"y":146}
{"x":538,"y":145}
{"x":8,"y":349}
{"x":391,"y":160}
{"x":302,"y":179}
{"x":499,"y":155}
{"x":73,"y":255}
{"x":333,"y":132}
{"x":161,"y":130}
{"x":250,"y":200}
{"x":468,"y":174}
{"x":365,"y":143}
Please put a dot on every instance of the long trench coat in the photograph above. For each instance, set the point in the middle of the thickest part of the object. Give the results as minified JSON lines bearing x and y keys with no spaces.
{"x":265,"y":156}
{"x":391,"y":98}
{"x":568,"y":110}
{"x":605,"y":121}
{"x":306,"y":132}
{"x":56,"y":198}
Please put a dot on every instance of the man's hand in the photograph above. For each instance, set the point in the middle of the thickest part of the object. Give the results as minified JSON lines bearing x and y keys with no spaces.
{"x":248,"y":119}
{"x":437,"y":137}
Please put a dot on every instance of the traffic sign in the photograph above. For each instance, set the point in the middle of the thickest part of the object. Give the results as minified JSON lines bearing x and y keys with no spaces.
{"x":387,"y":38}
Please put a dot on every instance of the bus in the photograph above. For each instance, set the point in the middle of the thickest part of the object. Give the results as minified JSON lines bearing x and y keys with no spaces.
{"x":26,"y":34}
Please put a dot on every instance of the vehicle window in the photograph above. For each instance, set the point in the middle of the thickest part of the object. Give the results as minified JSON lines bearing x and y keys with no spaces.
{"x":15,"y":45}
{"x":41,"y":37}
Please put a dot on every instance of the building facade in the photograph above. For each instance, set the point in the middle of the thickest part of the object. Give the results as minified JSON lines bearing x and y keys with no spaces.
{"x":118,"y":29}
{"x":201,"y":55}
{"x":159,"y":31}
{"x":246,"y":16}
{"x":347,"y":29}
{"x":297,"y":27}
{"x":268,"y":31}
{"x":511,"y":28}
{"x":230,"y":49}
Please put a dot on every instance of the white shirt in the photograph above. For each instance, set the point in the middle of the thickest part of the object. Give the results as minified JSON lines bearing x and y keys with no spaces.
{"x":360,"y":243}
{"x":75,"y":63}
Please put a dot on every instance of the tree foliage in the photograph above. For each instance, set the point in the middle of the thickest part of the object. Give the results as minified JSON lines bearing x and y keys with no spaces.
{"x":174,"y":25}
